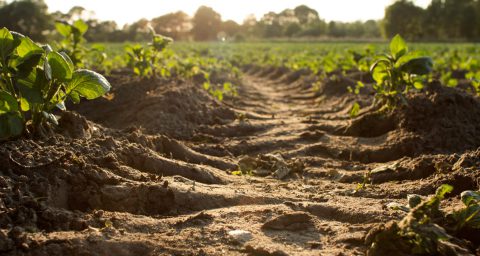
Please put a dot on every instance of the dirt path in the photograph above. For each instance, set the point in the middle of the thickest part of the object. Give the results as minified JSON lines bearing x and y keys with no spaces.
{"x":331,"y":217}
{"x":125,"y":192}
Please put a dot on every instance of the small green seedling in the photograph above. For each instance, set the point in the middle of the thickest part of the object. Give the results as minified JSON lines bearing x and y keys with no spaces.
{"x":355,"y":110}
{"x":398,"y":72}
{"x":73,"y":44}
{"x":470,"y":215}
{"x":144,"y":59}
{"x":427,"y":229}
{"x":474,"y":78}
{"x":219,"y":91}
{"x":365,"y":181}
{"x":73,"y":40}
{"x":34,"y":80}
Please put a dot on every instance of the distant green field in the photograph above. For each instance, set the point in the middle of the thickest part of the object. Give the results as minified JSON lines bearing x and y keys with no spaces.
{"x":318,"y":57}
{"x":288,"y":50}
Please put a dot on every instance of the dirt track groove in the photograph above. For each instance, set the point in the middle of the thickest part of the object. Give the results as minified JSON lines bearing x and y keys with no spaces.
{"x":153,"y":190}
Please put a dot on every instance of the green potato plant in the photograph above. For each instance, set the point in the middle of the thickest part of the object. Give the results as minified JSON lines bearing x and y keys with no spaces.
{"x":219,"y":91}
{"x":398,"y":72}
{"x":34,"y":80}
{"x":474,"y":78}
{"x":74,"y":45}
{"x":73,"y":40}
{"x":97,"y":59}
{"x":144,"y":60}
{"x":426,"y":229}
{"x":470,"y":215}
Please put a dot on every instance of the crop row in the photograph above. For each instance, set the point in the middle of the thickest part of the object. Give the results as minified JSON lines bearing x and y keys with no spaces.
{"x":395,"y":70}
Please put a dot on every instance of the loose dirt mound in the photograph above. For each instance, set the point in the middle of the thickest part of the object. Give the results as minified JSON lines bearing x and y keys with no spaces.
{"x":64,"y":185}
{"x":174,"y":108}
{"x":441,"y":120}
{"x":106,"y":187}
{"x":447,"y":119}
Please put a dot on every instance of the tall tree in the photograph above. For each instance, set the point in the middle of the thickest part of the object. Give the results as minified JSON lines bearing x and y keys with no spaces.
{"x":372,"y":29}
{"x":250,"y":26}
{"x":434,"y":20}
{"x":306,"y":15}
{"x":138,"y":31}
{"x":175,"y":25}
{"x":101,"y":31}
{"x":315,"y":30}
{"x":270,"y":25}
{"x":206,"y":24}
{"x":292,"y":29}
{"x":231,"y":28}
{"x":336,"y":29}
{"x":405,"y":18}
{"x":29,"y":17}
{"x":477,"y":19}
{"x":459,"y":18}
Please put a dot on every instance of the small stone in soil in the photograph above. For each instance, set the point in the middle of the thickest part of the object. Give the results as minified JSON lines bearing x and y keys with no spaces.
{"x":240,"y":236}
{"x":291,"y":221}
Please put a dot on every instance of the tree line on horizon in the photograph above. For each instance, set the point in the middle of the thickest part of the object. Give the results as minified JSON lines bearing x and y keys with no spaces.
{"x":449,"y":20}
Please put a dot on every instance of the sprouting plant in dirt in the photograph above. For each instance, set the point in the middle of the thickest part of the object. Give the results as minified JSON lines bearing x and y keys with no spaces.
{"x":241,"y":117}
{"x":219,"y":91}
{"x":427,"y":230}
{"x":470,"y":215}
{"x":34,"y":81}
{"x":96,"y":58}
{"x":365,"y":181}
{"x":474,"y":78}
{"x":355,"y":110}
{"x":447,"y":79}
{"x":73,"y":40}
{"x":144,"y":59}
{"x":242,"y":173}
{"x":74,"y":45}
{"x":363,"y":59}
{"x":398,"y":72}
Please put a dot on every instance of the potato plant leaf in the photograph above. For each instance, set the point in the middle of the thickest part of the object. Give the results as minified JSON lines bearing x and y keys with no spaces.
{"x":355,"y":110}
{"x":470,"y":215}
{"x":379,"y":71}
{"x":8,"y":103}
{"x":75,"y":97}
{"x":81,"y":26}
{"x":398,"y":47}
{"x":11,"y":124}
{"x":443,"y":190}
{"x":68,"y":60}
{"x":26,"y":65}
{"x":28,"y":47}
{"x":63,"y":28}
{"x":61,"y":68}
{"x":7,"y":44}
{"x":470,"y":197}
{"x":418,"y":66}
{"x":48,"y":70}
{"x":88,"y":84}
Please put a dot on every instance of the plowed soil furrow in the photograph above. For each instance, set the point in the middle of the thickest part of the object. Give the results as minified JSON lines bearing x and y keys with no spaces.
{"x":340,"y":215}
{"x":158,"y":177}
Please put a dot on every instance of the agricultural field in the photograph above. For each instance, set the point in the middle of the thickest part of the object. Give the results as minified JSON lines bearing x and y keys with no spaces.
{"x":255,"y":148}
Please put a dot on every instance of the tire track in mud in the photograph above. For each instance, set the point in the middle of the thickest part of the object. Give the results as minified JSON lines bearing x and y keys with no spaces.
{"x":153,"y":195}
{"x":290,"y":120}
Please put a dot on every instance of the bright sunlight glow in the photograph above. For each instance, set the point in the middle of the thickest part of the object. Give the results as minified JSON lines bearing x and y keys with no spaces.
{"x":130,"y":11}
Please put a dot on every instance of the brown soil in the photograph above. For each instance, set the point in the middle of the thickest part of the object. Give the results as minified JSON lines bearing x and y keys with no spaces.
{"x":150,"y":172}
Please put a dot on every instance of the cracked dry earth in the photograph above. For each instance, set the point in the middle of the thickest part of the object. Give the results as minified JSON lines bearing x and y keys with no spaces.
{"x":150,"y":172}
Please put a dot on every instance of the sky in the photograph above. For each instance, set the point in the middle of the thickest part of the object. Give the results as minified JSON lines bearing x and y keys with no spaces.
{"x":130,"y":11}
